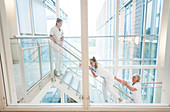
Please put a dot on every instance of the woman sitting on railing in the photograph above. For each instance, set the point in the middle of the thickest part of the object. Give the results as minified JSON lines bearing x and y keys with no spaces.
{"x":134,"y":86}
{"x":107,"y":85}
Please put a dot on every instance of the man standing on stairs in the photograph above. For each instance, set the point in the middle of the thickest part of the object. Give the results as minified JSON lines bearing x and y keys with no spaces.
{"x":57,"y":35}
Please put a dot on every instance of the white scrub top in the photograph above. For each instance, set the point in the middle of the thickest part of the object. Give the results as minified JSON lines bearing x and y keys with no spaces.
{"x":136,"y":95}
{"x":101,"y":71}
{"x":56,"y":33}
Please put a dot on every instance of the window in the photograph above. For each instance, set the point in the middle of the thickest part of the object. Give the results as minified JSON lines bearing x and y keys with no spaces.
{"x":126,"y":52}
{"x":24,"y":19}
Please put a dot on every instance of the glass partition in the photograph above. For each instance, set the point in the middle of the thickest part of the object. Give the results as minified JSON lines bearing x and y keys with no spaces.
{"x":31,"y":66}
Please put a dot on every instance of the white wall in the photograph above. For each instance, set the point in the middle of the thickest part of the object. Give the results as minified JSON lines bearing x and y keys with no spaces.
{"x":164,"y":53}
{"x":6,"y":56}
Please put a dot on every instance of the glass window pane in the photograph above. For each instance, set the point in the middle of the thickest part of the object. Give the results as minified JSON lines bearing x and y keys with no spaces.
{"x":39,"y":17}
{"x":130,"y":48}
{"x":153,"y":17}
{"x":131,"y":17}
{"x":102,"y":49}
{"x":151,"y":47}
{"x":24,"y":20}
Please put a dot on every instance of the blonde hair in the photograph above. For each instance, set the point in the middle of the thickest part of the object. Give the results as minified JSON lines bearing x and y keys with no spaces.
{"x":95,"y":61}
{"x":137,"y":77}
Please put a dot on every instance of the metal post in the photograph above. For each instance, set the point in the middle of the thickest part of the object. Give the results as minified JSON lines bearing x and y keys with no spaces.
{"x":21,"y":61}
{"x":40,"y":61}
{"x":62,"y":96}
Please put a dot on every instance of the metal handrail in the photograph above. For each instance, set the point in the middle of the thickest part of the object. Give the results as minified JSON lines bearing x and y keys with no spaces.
{"x":44,"y":37}
{"x":67,"y":47}
{"x":35,"y":37}
{"x":72,"y":46}
{"x":65,"y":56}
{"x":68,"y":51}
{"x":151,"y":82}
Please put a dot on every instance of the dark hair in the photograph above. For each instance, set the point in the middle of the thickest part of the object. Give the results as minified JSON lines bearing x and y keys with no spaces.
{"x":94,"y":60}
{"x":58,"y":20}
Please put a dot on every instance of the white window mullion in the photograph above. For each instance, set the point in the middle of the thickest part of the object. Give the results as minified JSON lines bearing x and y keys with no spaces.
{"x":117,"y":36}
{"x":31,"y":18}
{"x":85,"y":56}
{"x":145,"y":20}
{"x":143,"y":46}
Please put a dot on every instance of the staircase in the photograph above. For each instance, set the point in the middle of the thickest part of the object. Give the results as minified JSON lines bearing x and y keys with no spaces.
{"x":70,"y":82}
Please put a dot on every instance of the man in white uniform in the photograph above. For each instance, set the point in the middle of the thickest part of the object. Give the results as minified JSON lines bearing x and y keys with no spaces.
{"x":57,"y":35}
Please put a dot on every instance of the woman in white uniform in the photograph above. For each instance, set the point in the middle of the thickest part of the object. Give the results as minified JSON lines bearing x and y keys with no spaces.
{"x":108,"y":79}
{"x":134,"y":86}
{"x":57,"y":35}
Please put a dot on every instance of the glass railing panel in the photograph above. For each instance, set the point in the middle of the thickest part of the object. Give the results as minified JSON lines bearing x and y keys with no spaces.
{"x":74,"y":41}
{"x":69,"y":59}
{"x":72,"y":48}
{"x":17,"y":71}
{"x":31,"y":66}
{"x":72,"y":72}
{"x":148,"y":89}
{"x":25,"y":43}
{"x":45,"y":59}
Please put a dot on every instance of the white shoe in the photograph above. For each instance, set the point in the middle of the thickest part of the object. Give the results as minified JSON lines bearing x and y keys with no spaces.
{"x":124,"y":101}
{"x":62,"y":72}
{"x":58,"y":74}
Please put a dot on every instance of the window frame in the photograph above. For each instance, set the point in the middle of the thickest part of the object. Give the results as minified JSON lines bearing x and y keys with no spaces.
{"x":86,"y":106}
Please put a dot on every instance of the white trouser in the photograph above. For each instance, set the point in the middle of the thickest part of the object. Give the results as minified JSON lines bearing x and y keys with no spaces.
{"x":58,"y":51}
{"x":108,"y":86}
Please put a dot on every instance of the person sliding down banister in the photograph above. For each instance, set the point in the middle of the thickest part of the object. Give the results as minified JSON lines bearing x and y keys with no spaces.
{"x":107,"y":84}
{"x":57,"y":35}
{"x":134,"y":86}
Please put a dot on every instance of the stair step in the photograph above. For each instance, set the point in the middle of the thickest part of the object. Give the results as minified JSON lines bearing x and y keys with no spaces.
{"x":71,"y":81}
{"x":101,"y":98}
{"x":92,"y":94}
{"x":75,"y":82}
{"x":67,"y":78}
{"x":96,"y":96}
{"x":79,"y":89}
